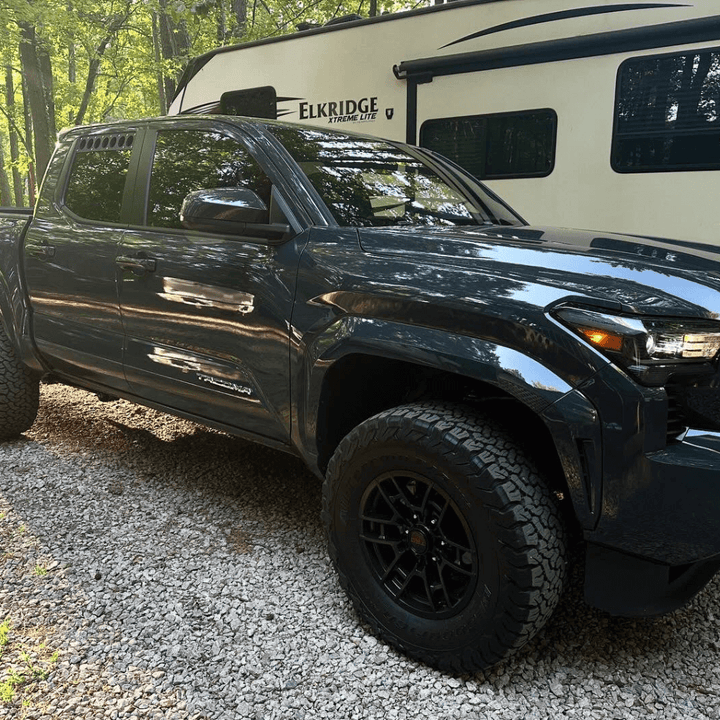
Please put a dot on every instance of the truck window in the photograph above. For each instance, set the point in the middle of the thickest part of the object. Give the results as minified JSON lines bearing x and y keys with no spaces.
{"x":187,"y":160}
{"x":503,"y":145}
{"x":97,"y":177}
{"x":367,"y":182}
{"x":666,"y":113}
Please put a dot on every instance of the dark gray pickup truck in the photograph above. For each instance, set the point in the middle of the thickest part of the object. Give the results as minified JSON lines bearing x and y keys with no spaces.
{"x":481,"y":397}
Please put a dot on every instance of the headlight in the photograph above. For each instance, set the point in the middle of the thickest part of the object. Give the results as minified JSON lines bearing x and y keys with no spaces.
{"x":650,"y":349}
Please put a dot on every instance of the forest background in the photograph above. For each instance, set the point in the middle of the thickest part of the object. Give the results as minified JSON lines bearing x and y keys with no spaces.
{"x":74,"y":62}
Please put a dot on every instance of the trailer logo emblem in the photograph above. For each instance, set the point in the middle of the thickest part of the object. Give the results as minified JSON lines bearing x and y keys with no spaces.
{"x":389,"y":112}
{"x":364,"y":109}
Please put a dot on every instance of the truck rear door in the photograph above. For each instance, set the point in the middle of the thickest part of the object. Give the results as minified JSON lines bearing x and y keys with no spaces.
{"x":70,"y":251}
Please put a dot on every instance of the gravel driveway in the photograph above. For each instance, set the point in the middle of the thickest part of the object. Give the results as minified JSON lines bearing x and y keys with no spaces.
{"x":153,"y":568}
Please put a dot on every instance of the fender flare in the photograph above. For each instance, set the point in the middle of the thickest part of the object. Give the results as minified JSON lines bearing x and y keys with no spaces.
{"x":561,"y":407}
{"x":14,"y":309}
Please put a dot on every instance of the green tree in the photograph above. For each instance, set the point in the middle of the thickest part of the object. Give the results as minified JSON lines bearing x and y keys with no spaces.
{"x":68,"y":62}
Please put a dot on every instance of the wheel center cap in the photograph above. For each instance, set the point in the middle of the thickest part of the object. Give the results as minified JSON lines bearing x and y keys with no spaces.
{"x":419,"y":541}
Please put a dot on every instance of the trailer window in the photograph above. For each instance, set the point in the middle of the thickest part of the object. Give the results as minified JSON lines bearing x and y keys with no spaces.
{"x":259,"y":102}
{"x":490,"y":147}
{"x":666,"y":113}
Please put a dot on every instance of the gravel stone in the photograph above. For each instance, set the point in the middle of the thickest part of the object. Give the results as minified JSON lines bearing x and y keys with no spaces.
{"x":152,"y":568}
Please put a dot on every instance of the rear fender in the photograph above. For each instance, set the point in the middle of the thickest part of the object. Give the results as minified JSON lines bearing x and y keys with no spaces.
{"x":14,"y":311}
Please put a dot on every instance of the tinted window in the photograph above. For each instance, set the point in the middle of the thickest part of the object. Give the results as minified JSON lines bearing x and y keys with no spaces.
{"x":187,"y":160}
{"x":366,"y":182}
{"x":496,"y":146}
{"x":97,"y":179}
{"x":666,"y":113}
{"x":260,"y":102}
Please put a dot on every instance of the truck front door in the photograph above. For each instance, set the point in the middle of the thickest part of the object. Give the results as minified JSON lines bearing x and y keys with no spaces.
{"x":207,"y":316}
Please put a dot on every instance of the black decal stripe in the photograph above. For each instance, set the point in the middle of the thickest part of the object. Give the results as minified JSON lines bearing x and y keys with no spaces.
{"x":283,"y":113}
{"x":288,"y":99}
{"x":204,"y":109}
{"x":607,"y":43}
{"x":564,"y":15}
{"x":197,"y":63}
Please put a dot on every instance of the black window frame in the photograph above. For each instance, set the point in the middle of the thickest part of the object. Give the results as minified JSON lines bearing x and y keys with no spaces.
{"x":642,"y":170}
{"x":513,"y":113}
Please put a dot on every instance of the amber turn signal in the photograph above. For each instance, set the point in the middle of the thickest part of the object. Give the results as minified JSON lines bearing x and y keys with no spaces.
{"x":603,"y":339}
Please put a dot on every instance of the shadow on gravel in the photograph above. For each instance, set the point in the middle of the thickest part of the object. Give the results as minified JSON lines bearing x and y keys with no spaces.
{"x":178,"y":454}
{"x":153,"y":504}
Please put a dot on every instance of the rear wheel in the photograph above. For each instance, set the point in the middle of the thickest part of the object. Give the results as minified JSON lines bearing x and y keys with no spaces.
{"x":447,"y":540}
{"x":19,"y":392}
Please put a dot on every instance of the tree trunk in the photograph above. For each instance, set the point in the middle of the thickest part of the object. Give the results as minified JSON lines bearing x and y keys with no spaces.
{"x":117,"y":24}
{"x":48,"y":88}
{"x":162,"y":98}
{"x":33,"y":75}
{"x":175,"y":43}
{"x":5,"y":193}
{"x":72,"y":64}
{"x":221,"y":24}
{"x":28,"y":142}
{"x":14,"y":149}
{"x":239,"y":8}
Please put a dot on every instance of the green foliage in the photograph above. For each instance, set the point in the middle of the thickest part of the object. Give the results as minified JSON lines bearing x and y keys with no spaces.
{"x":24,"y":664}
{"x":115,"y":59}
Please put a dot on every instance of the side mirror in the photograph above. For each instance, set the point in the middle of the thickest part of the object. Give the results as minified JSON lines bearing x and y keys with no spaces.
{"x":233,"y":211}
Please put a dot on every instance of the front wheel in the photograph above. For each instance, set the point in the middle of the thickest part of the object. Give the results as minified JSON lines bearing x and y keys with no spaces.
{"x":445,"y":537}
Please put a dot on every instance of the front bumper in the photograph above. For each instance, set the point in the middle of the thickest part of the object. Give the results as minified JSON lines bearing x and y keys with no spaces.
{"x":658,"y":543}
{"x":668,"y":508}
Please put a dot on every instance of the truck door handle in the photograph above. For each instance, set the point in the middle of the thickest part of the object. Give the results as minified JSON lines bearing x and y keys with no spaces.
{"x":42,"y":252}
{"x":138,"y":265}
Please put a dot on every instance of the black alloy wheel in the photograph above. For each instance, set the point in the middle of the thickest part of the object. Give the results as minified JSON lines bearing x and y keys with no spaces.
{"x":418,"y":544}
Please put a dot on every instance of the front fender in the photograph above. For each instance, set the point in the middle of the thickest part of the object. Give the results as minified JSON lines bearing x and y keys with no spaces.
{"x":563,"y":410}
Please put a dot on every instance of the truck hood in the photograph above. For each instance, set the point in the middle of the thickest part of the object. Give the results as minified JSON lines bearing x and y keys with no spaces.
{"x":620,"y":272}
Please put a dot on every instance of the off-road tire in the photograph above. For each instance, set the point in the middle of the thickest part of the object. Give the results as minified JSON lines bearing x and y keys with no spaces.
{"x":487,"y":532}
{"x":19,"y":392}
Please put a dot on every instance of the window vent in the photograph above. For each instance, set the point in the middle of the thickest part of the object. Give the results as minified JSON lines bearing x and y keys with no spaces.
{"x":106,"y":142}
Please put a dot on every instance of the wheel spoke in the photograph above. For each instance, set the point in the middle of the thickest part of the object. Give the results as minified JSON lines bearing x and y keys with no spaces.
{"x":428,"y":591}
{"x":406,"y":582}
{"x":393,"y":501}
{"x":452,"y":545}
{"x":443,"y":586}
{"x":423,"y":504}
{"x":445,"y":562}
{"x":401,"y":496}
{"x":391,"y":567}
{"x":394,"y":521}
{"x":380,"y":540}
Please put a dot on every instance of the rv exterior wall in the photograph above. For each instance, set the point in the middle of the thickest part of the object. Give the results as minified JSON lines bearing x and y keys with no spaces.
{"x":344,"y":78}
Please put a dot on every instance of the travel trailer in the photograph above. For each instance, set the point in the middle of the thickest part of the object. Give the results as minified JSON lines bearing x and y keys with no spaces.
{"x":600,"y":114}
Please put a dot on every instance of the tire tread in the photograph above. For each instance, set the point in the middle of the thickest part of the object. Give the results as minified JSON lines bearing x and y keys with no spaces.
{"x":525,"y":512}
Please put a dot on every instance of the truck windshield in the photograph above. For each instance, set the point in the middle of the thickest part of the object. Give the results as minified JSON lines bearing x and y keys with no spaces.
{"x":366,"y":182}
